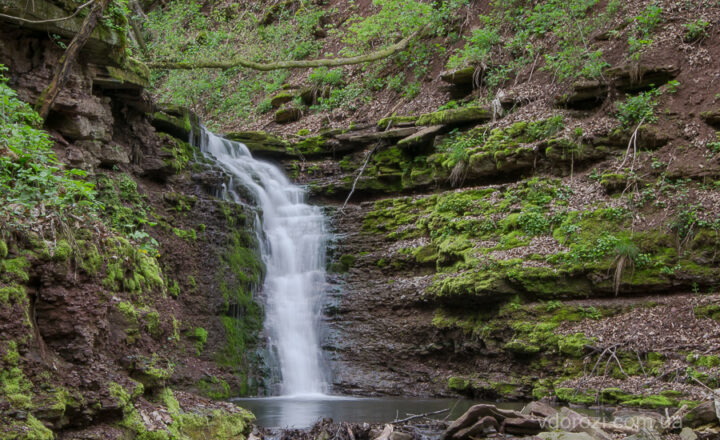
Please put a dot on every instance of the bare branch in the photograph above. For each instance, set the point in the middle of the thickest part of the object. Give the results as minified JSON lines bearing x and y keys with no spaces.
{"x":292,"y":64}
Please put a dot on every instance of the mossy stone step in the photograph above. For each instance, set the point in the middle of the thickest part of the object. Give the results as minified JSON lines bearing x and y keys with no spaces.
{"x":262,"y":144}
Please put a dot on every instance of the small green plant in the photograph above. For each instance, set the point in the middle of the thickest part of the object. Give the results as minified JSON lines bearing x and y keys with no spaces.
{"x":696,"y":30}
{"x":478,"y":48}
{"x":322,"y":76}
{"x":648,"y":19}
{"x":638,"y":109}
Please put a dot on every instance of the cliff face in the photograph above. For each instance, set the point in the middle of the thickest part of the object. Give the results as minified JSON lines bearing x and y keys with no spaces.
{"x":123,"y":319}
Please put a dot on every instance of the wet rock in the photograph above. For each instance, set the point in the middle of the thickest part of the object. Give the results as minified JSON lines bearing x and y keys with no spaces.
{"x":262,"y":144}
{"x":456,"y":116}
{"x":584,"y":94}
{"x":174,"y":120}
{"x":632,"y":78}
{"x":287,"y":115}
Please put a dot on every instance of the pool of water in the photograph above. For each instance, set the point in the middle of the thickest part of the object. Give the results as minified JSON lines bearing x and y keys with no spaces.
{"x":304,"y":411}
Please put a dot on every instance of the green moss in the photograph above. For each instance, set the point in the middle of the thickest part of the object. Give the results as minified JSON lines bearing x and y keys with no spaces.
{"x":214,"y":388}
{"x":91,"y":261}
{"x":179,"y":153}
{"x":29,"y":429}
{"x":455,"y":116}
{"x":132,"y":331}
{"x":571,"y":395}
{"x":152,"y":322}
{"x":14,"y":386}
{"x":711,"y":311}
{"x":15,"y":269}
{"x":173,"y":288}
{"x":62,"y":251}
{"x":310,"y":146}
{"x":707,"y":361}
{"x":521,"y":348}
{"x":130,"y":269}
{"x":458,"y":384}
{"x":13,"y":293}
{"x":3,"y":249}
{"x":200,"y":335}
{"x":573,"y":345}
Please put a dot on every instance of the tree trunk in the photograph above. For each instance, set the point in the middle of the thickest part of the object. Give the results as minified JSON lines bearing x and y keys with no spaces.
{"x":48,"y":96}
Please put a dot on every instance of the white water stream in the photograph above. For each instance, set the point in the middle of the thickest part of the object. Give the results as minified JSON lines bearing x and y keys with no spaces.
{"x":293,"y":249}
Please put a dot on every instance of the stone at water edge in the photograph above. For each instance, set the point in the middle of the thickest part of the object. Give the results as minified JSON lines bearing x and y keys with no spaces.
{"x":522,"y":426}
{"x":688,"y":434}
{"x":397,"y":435}
{"x":539,"y":409}
{"x":572,"y":421}
{"x":475,"y":413}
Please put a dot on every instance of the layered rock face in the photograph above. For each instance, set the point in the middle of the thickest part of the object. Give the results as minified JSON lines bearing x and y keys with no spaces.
{"x":546,"y":252}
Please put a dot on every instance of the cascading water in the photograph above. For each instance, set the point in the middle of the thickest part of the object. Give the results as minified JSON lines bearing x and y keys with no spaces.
{"x":293,"y":248}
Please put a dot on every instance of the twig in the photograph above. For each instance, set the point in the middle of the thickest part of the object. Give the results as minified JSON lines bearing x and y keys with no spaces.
{"x":352,"y":190}
{"x":705,"y":386}
{"x":419,"y":416}
{"x":51,"y":20}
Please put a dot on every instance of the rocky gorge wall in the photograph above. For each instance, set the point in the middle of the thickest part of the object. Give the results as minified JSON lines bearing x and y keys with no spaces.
{"x":136,"y":322}
{"x":533,"y":247}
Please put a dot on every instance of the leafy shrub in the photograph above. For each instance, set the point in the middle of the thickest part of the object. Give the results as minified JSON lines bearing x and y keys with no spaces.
{"x":478,"y":47}
{"x":696,"y":30}
{"x":30,"y":174}
{"x":638,"y":108}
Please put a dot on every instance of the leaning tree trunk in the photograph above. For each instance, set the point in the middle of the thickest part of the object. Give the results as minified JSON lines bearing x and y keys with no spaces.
{"x":48,"y":96}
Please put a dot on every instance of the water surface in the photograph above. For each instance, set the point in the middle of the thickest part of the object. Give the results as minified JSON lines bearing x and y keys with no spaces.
{"x":304,"y":411}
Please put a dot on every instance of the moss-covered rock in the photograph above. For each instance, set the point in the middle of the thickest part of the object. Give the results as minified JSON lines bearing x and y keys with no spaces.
{"x":456,"y":116}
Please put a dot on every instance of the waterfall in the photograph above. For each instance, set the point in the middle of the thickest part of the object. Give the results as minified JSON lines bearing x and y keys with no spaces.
{"x":293,"y":249}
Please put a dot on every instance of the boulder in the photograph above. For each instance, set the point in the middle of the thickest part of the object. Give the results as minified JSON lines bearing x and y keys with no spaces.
{"x":539,"y":409}
{"x":702,"y":414}
{"x":287,"y":115}
{"x":456,"y":116}
{"x":460,"y":77}
{"x":113,"y":154}
{"x":398,"y":435}
{"x":632,"y":78}
{"x":280,"y":99}
{"x":688,"y":434}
